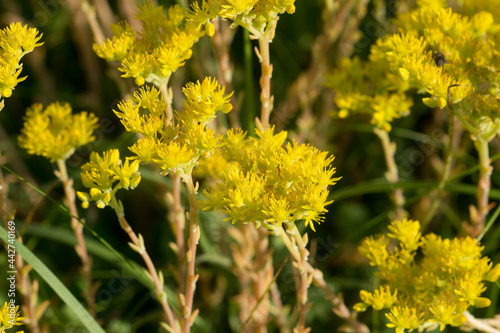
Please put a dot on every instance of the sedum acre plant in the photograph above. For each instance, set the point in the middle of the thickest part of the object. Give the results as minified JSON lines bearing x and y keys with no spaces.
{"x":214,"y":252}
{"x":175,"y":148}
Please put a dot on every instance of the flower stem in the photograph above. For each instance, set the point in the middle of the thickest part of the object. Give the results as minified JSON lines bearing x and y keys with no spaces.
{"x":221,"y":42}
{"x":483,"y":186}
{"x":436,"y":198}
{"x":191,"y":278}
{"x":339,"y":308}
{"x":162,"y":297}
{"x":179,"y":224}
{"x":479,"y":324}
{"x":266,"y":98}
{"x":392,"y":174}
{"x":169,"y":113}
{"x":304,"y":277}
{"x":77,"y":227}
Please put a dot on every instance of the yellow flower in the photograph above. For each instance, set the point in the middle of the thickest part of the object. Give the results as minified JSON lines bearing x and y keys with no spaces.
{"x":236,"y":7}
{"x":16,"y":41}
{"x":117,"y":48}
{"x":153,"y":54}
{"x":381,"y":298}
{"x":176,"y":158}
{"x":446,"y":314}
{"x":403,"y":317}
{"x":270,"y":184}
{"x":10,"y":317}
{"x":106,"y":174}
{"x":55,"y":132}
{"x":204,"y":99}
{"x":435,"y":288}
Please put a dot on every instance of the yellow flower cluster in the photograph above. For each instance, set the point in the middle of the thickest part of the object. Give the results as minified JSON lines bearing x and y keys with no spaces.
{"x":268,"y":184}
{"x":452,"y":56}
{"x":105,"y":175}
{"x":10,"y":317}
{"x":369,"y":88}
{"x":164,"y":45}
{"x":55,"y":132}
{"x":16,"y":41}
{"x":253,"y":15}
{"x":177,"y":147}
{"x":435,"y":289}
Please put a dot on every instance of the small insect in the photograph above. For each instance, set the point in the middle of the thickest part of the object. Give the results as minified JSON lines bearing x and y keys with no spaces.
{"x":439,"y":58}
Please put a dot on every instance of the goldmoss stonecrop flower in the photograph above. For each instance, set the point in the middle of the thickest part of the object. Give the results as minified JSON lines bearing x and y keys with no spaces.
{"x":16,"y":41}
{"x":437,"y":288}
{"x":268,"y":184}
{"x":10,"y":317}
{"x":174,"y":146}
{"x":105,"y":174}
{"x":54,"y":132}
{"x":153,"y":54}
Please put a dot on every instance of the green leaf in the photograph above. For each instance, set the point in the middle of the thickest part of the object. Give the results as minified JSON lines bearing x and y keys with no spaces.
{"x":56,"y":285}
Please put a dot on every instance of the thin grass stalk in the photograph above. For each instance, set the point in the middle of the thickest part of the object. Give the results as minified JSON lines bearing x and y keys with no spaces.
{"x":281,"y":320}
{"x":263,"y":278}
{"x":90,"y":14}
{"x":104,"y":13}
{"x":167,"y":97}
{"x":77,"y":227}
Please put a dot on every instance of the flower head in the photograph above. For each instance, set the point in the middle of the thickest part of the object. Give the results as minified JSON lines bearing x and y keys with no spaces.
{"x":253,"y":15}
{"x":437,"y":288}
{"x":153,"y":54}
{"x":54,"y":132}
{"x":106,"y":174}
{"x":269,"y":183}
{"x":16,"y":41}
{"x":177,"y":145}
{"x":10,"y":317}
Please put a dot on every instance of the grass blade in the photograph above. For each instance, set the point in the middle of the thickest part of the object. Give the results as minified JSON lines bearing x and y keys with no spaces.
{"x":56,"y":285}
